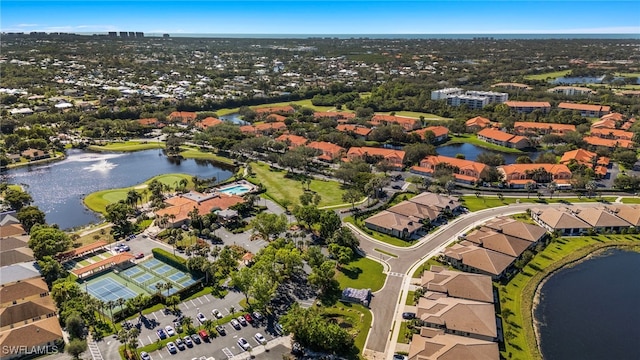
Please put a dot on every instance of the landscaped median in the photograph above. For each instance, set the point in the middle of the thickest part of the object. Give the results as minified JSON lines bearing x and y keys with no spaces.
{"x":99,"y":200}
{"x":517,"y":296}
{"x":475,"y":203}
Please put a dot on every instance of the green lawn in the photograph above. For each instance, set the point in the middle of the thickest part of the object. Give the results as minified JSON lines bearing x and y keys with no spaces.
{"x":192,"y":153}
{"x":357,"y":316}
{"x":99,"y":200}
{"x":628,"y":74}
{"x":378,"y":235}
{"x":427,"y":265}
{"x":473,"y":139}
{"x":280,"y":187}
{"x":633,"y":200}
{"x":516,"y":297}
{"x":410,"y":298}
{"x":549,"y":75}
{"x":405,"y":335}
{"x":129,"y":146}
{"x":474,"y":203}
{"x":363,"y":273}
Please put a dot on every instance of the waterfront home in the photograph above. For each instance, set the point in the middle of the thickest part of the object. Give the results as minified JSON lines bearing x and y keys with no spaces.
{"x":528,"y":106}
{"x":358,"y":131}
{"x":435,"y":344}
{"x":440,"y":133}
{"x":585,"y":110}
{"x":612,"y":134}
{"x":477,"y":123}
{"x":517,"y":175}
{"x":292,"y":141}
{"x":497,"y":137}
{"x":629,"y":213}
{"x":179,"y":207}
{"x":535,"y":128}
{"x":35,"y":154}
{"x":468,"y":257}
{"x":185,"y":117}
{"x":609,"y":143}
{"x":329,"y":151}
{"x":263,"y":112}
{"x":561,"y":220}
{"x":393,"y":158}
{"x":208,"y":122}
{"x":407,"y":123}
{"x":458,"y":284}
{"x":519,"y":229}
{"x":600,"y":219}
{"x":333,"y":115}
{"x":465,"y":171}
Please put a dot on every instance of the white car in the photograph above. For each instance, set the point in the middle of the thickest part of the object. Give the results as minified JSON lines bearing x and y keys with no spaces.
{"x":145,"y":356}
{"x":260,"y":339}
{"x":242,"y":320}
{"x":235,"y":324}
{"x":172,"y":347}
{"x":169,"y":329}
{"x":216,"y":313}
{"x":244,"y":344}
{"x":201,"y":317}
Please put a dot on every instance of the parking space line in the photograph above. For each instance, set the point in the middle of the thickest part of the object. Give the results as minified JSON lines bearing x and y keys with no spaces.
{"x":155,"y":316}
{"x":227,"y":310}
{"x":227,"y":352}
{"x":185,"y":305}
{"x":207,"y":298}
{"x":160,"y":353}
{"x":200,"y":301}
{"x":149,"y":337}
{"x":141,"y":343}
{"x":163,"y":314}
{"x":192,"y":303}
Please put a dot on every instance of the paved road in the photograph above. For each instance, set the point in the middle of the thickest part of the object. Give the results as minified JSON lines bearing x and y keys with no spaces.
{"x":387,"y":298}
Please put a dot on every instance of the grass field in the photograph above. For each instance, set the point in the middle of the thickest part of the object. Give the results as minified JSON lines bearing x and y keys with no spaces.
{"x":378,"y":235}
{"x":474,"y":203}
{"x":517,"y":296}
{"x":99,"y":200}
{"x":633,"y":200}
{"x":193,"y":153}
{"x":128,"y":146}
{"x":549,"y":75}
{"x":363,"y":273}
{"x":357,"y":316}
{"x":280,"y":187}
{"x":427,"y":266}
{"x":628,"y":74}
{"x":473,"y":139}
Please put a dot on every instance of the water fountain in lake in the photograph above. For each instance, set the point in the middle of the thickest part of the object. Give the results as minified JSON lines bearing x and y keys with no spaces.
{"x":102,"y":165}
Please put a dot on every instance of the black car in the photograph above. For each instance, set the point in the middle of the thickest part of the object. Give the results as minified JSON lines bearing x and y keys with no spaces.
{"x":196,"y":339}
{"x":396,"y":187}
{"x":221,"y":330}
{"x":408,"y":315}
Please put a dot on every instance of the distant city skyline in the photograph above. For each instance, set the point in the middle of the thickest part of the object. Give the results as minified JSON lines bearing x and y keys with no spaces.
{"x":323,"y":17}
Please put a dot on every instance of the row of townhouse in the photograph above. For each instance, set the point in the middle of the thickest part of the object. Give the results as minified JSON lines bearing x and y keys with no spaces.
{"x":518,"y":175}
{"x":586,"y":110}
{"x":407,"y":218}
{"x":577,"y":220}
{"x":465,"y":171}
{"x":499,"y":137}
{"x":493,"y":248}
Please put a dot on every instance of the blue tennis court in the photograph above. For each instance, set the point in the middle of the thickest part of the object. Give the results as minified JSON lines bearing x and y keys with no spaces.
{"x":107,"y":289}
{"x":142,"y":278}
{"x":176,"y":277}
{"x":151,"y":263}
{"x":133,"y":271}
{"x":163,"y":269}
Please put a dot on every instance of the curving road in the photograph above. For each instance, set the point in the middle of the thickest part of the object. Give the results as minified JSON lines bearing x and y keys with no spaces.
{"x":384,"y":305}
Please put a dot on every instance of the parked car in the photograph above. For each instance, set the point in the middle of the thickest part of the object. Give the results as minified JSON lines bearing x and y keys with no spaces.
{"x":145,"y":356}
{"x":296,"y":348}
{"x":187,"y":340}
{"x":216,"y":313}
{"x":260,"y":339}
{"x":235,"y":324}
{"x":124,"y":247}
{"x":397,"y":187}
{"x":204,"y":335}
{"x":180,"y":344}
{"x":161,"y":334}
{"x":278,"y":328}
{"x":408,"y":315}
{"x":177,"y":326}
{"x":171,"y":347}
{"x":221,"y":330}
{"x":139,"y":255}
{"x":400,"y":357}
{"x":196,"y":339}
{"x":257,"y":316}
{"x":170,"y":330}
{"x":244,"y":344}
{"x":242,"y":320}
{"x":201,"y":317}
{"x":248,"y":318}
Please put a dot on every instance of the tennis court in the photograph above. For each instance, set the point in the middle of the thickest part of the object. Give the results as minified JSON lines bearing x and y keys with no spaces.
{"x":168,"y":273}
{"x":109,"y":287}
{"x":164,"y":269}
{"x":151,"y":263}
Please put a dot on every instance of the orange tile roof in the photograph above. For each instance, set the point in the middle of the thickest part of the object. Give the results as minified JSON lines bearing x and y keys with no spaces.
{"x":543,"y":126}
{"x":581,"y":156}
{"x":248,"y":129}
{"x":358,"y":130}
{"x":373,"y":151}
{"x":276,"y":117}
{"x":583,"y":107}
{"x":495,"y":134}
{"x":184,"y":115}
{"x":601,"y":170}
{"x":293,"y":140}
{"x":333,"y":115}
{"x":604,"y":124}
{"x":406,"y":122}
{"x":326,"y":147}
{"x":533,"y":104}
{"x":462,"y":164}
{"x":597,"y":141}
{"x":616,"y":134}
{"x":522,"y":168}
{"x":276,"y":109}
{"x":208,"y":122}
{"x":117,"y":259}
{"x":613,"y":116}
{"x":478,"y":121}
{"x":181,"y":206}
{"x":147,"y":121}
{"x":438,"y":131}
{"x":270,"y":126}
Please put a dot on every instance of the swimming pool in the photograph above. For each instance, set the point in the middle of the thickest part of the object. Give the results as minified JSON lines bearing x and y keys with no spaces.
{"x":235,"y":190}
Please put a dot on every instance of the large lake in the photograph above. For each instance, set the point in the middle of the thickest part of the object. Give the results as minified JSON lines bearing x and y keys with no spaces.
{"x":58,"y":188}
{"x":591,"y":310}
{"x":472,"y":151}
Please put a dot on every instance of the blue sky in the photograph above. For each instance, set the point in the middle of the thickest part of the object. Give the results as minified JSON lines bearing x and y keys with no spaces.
{"x":324,"y":17}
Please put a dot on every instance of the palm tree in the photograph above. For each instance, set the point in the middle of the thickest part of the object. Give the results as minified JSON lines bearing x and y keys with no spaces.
{"x":168,"y":286}
{"x":159,"y":286}
{"x":110,"y":305}
{"x":120,"y":302}
{"x":552,"y":187}
{"x":529,"y":186}
{"x":591,"y":187}
{"x":187,"y":322}
{"x":209,"y":325}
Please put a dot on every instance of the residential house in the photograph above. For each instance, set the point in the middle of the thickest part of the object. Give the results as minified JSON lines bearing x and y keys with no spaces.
{"x":400,"y":226}
{"x":600,"y":219}
{"x":499,"y":242}
{"x":208,"y":122}
{"x":629,"y":213}
{"x":150,"y":122}
{"x":275,"y":118}
{"x":587,"y":158}
{"x":502,"y":138}
{"x":458,"y":284}
{"x":263,"y":129}
{"x":477,"y":123}
{"x":519,"y":229}
{"x":444,"y":203}
{"x":534,"y":128}
{"x":604,"y":124}
{"x":15,"y":249}
{"x":473,"y":319}
{"x":333,"y":115}
{"x":292,"y":140}
{"x":179,"y":207}
{"x":35,"y":154}
{"x":394,"y":158}
{"x":517,"y":175}
{"x":435,"y":344}
{"x":612,"y":134}
{"x":468,"y":257}
{"x":609,"y":143}
{"x":628,"y":124}
{"x":466,"y":171}
{"x":407,"y":123}
{"x":360,"y":132}
{"x":528,"y":107}
{"x":184,"y":117}
{"x":615,"y":116}
{"x":441,"y":133}
{"x":425,"y":213}
{"x":571,"y":90}
{"x":586,"y":109}
{"x":561,"y":220}
{"x":330,"y":151}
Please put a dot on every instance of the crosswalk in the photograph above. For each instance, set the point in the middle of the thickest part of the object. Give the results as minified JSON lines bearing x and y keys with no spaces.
{"x":228,"y":353}
{"x":95,"y":351}
{"x":391,"y":273}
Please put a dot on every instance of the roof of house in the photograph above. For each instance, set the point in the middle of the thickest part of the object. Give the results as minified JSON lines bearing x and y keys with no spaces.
{"x":40,"y":332}
{"x":333,"y":115}
{"x":630,"y":213}
{"x":148,"y":121}
{"x":209,"y":121}
{"x":516,"y":139}
{"x":22,"y":289}
{"x":458,"y":284}
{"x":325,"y":147}
{"x":374,"y":151}
{"x":13,"y":242}
{"x":519,"y":229}
{"x":604,"y":124}
{"x":276,"y":117}
{"x":560,"y":218}
{"x":478,"y":121}
{"x":615,"y":116}
{"x":459,"y":314}
{"x":543,"y":126}
{"x":401,"y":120}
{"x":502,"y":243}
{"x":489,"y":261}
{"x":461,"y":164}
{"x":390,"y":220}
{"x":599,"y":217}
{"x":292,"y":140}
{"x":27,"y":310}
{"x":544,"y":104}
{"x":423,"y":212}
{"x":8,"y":218}
{"x":581,"y":156}
{"x":12,"y":230}
{"x":583,"y":107}
{"x":275,"y":109}
{"x":437,"y":131}
{"x":522,"y":168}
{"x":441,"y":346}
{"x":611,"y":143}
{"x":612,"y":132}
{"x":437,"y":200}
{"x":182,"y":205}
{"x":495,"y":134}
{"x":14,"y":256}
{"x":190,"y":115}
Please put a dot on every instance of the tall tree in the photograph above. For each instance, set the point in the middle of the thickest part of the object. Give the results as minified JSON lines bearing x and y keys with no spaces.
{"x":29,"y":216}
{"x":47,"y":241}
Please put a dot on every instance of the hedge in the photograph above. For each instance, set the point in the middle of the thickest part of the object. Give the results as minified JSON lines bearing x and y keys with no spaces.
{"x":173,"y":260}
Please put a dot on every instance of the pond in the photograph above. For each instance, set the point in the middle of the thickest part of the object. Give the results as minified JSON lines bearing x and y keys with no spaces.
{"x":590,"y":311}
{"x":472,"y":151}
{"x":578,"y":80}
{"x":234,"y":118}
{"x":58,"y":188}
